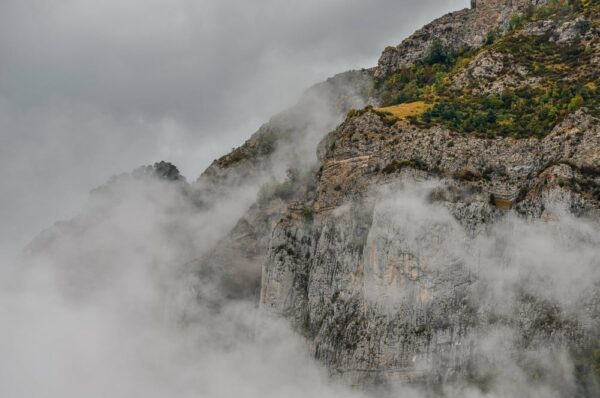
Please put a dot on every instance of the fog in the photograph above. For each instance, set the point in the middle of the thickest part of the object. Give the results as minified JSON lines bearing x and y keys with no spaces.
{"x":91,"y":89}
{"x":515,"y":269}
{"x":556,"y":259}
{"x":106,"y":306}
{"x":107,"y":303}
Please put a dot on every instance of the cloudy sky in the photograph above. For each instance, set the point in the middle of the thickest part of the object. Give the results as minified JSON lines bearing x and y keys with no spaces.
{"x":92,"y":88}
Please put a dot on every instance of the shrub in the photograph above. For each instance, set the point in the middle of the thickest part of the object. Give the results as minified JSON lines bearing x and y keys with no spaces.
{"x":576,"y":103}
{"x":492,"y":36}
{"x":467,"y":175}
{"x":439,"y":54}
{"x":308,"y":214}
{"x":397,"y":165}
{"x":516,"y":22}
{"x":583,"y":26}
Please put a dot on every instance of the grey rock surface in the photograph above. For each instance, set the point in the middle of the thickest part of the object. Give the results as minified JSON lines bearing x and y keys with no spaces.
{"x":386,"y":301}
{"x":458,"y":31}
{"x":389,"y":246}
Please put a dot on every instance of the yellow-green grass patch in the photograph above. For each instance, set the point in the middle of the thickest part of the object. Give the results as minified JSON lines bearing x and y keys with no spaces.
{"x":403,"y":111}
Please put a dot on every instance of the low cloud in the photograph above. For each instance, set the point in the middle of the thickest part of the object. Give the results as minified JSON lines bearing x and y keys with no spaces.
{"x":106,"y":305}
{"x":91,"y":89}
{"x":531,"y":284}
{"x":109,"y":306}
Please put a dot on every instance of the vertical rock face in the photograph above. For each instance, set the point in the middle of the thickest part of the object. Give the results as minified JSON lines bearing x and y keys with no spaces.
{"x":420,"y":248}
{"x":410,"y":249}
{"x":383,"y":277}
{"x":285,"y":142}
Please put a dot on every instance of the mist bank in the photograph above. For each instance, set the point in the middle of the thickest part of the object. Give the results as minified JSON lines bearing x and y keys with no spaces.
{"x":84,"y":96}
{"x":111,"y":305}
{"x":383,"y":258}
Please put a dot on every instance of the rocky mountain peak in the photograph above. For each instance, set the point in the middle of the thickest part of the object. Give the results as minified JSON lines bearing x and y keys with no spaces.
{"x":447,"y":232}
{"x":459,"y":31}
{"x":477,"y":117}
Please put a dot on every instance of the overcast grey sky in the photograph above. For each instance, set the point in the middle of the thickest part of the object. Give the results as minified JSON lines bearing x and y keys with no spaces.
{"x":93,"y":88}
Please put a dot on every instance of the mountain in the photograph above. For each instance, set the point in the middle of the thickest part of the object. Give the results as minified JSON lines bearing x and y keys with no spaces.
{"x":432,"y":221}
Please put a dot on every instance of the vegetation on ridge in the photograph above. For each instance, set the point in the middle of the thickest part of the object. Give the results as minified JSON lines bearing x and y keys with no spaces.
{"x":561,"y":76}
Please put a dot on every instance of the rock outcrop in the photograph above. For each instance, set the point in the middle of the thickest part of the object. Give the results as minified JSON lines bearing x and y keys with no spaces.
{"x":380,"y":265}
{"x":376,"y":307}
{"x":400,"y":247}
{"x":458,"y":31}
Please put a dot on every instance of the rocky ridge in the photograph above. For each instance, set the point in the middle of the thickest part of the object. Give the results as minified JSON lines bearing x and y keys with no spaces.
{"x":461,"y":31}
{"x":381,"y":307}
{"x":320,"y":273}
{"x":385,"y":297}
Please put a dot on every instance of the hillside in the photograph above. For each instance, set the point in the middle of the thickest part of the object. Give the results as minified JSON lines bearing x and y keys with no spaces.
{"x":432,"y":222}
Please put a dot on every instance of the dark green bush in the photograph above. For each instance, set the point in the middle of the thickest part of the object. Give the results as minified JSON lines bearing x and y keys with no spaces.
{"x":439,"y":54}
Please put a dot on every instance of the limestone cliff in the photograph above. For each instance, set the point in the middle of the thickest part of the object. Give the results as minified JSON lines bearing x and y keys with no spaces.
{"x":384,"y":295}
{"x":401,"y":243}
{"x":380,"y":307}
